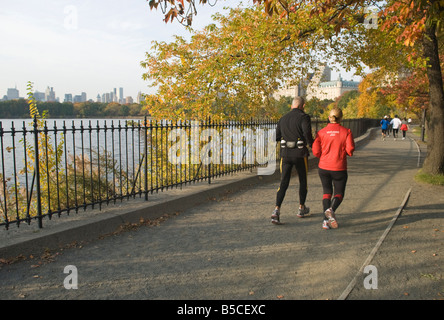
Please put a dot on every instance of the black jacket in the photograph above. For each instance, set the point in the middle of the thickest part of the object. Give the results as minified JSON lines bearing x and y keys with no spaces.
{"x":294,"y":126}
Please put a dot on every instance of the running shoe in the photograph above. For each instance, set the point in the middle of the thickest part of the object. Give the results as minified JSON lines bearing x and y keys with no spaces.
{"x":303,"y":212}
{"x":325,"y":225}
{"x":275,"y":217}
{"x":330,"y":215}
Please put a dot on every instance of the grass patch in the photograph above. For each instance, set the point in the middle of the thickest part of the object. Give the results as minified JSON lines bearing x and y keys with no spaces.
{"x":436,"y":180}
{"x":417,"y":132}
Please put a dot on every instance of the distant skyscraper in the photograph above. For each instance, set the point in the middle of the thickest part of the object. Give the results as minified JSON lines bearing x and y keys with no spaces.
{"x":139,"y":97}
{"x":12,"y":93}
{"x":121,"y":99}
{"x":129,"y":100}
{"x":50,"y":94}
{"x":68,"y":97}
{"x":99,"y":98}
{"x":83,"y":95}
{"x":39,"y":96}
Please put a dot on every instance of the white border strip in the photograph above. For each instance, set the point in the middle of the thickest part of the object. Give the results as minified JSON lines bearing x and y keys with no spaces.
{"x":352,"y":284}
{"x":419,"y":152}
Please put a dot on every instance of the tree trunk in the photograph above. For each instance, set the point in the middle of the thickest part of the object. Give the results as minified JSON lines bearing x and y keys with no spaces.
{"x":434,"y":162}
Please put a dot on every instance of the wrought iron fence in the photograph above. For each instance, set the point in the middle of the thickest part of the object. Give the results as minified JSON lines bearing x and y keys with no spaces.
{"x":53,"y":169}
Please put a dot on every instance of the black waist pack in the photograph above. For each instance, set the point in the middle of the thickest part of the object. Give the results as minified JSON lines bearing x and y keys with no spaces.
{"x":288,"y":144}
{"x":292,"y":144}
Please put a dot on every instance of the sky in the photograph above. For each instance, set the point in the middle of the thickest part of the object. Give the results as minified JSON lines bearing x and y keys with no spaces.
{"x":80,"y":46}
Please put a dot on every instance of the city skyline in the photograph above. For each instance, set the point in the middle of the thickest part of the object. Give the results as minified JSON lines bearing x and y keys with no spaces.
{"x":115,"y":95}
{"x":84,"y":46}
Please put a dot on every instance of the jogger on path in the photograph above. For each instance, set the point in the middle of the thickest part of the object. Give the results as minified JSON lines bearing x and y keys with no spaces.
{"x":294,"y":133}
{"x":332,"y":146}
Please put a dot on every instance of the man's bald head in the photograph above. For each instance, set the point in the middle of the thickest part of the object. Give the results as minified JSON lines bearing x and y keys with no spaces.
{"x":298,"y":102}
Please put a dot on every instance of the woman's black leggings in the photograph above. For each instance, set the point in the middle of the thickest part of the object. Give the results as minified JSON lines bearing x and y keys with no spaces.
{"x":333,"y":183}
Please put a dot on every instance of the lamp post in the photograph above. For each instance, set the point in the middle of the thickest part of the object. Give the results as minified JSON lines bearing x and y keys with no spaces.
{"x":423,"y":124}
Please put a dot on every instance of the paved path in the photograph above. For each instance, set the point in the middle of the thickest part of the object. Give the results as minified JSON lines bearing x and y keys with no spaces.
{"x":228,"y":249}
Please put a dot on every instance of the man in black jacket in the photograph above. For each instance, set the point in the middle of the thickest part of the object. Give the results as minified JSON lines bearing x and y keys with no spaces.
{"x":294,"y":133}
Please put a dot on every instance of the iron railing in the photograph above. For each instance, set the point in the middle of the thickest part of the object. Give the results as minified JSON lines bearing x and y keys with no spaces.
{"x":53,"y":169}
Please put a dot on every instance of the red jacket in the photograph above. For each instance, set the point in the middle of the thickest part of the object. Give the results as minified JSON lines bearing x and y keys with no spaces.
{"x":332,"y":145}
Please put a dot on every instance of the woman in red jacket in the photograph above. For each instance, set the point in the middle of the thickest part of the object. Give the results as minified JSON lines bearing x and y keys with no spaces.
{"x":332,"y":145}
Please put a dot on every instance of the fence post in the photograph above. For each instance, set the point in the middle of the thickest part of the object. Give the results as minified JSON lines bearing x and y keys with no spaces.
{"x":37,"y":172}
{"x":210,"y":140}
{"x":146,"y":158}
{"x":5,"y":209}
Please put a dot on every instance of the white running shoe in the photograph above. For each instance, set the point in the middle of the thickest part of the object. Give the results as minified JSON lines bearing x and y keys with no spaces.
{"x":275,"y":217}
{"x":330,"y":215}
{"x":303,"y":212}
{"x":325,"y":225}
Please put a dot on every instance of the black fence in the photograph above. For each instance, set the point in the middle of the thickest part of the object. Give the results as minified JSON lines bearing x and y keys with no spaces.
{"x":58,"y":166}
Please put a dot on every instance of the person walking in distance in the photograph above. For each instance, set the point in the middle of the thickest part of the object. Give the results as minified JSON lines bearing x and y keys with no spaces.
{"x":396,"y":124}
{"x":389,"y":126}
{"x":332,"y":145}
{"x":384,"y":127}
{"x":404,"y":128}
{"x":294,"y":133}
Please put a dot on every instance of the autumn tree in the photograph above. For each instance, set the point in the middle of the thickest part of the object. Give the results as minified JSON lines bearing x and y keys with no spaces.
{"x":410,"y":93}
{"x":229,"y":70}
{"x":406,"y":31}
{"x":418,"y":25}
{"x":316,"y":107}
{"x":371,"y":102}
{"x":282,"y":104}
{"x":348,"y":102}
